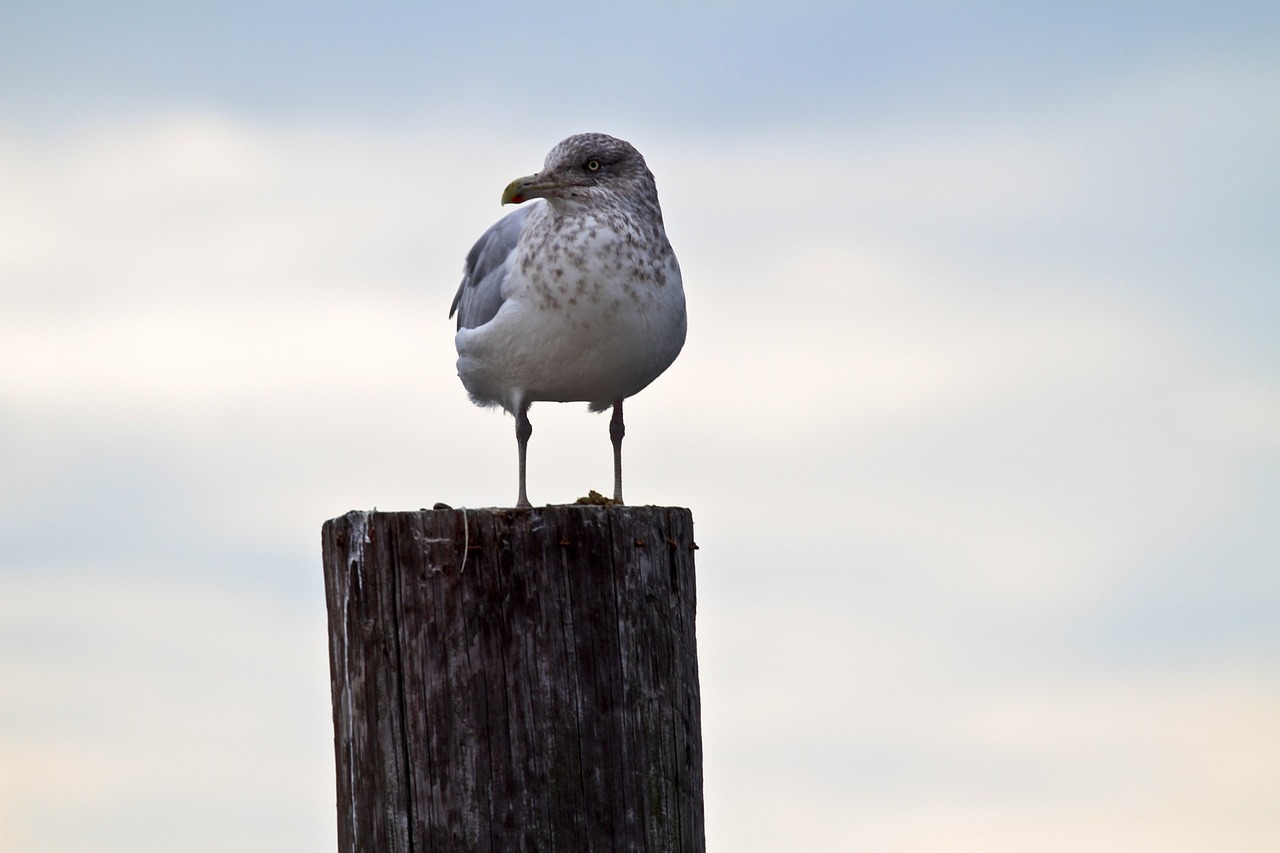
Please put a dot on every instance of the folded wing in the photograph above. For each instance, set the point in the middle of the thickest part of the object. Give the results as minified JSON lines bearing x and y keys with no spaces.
{"x":488,"y":264}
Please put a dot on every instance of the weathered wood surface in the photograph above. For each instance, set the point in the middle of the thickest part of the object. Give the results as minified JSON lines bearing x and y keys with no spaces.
{"x":515,"y":680}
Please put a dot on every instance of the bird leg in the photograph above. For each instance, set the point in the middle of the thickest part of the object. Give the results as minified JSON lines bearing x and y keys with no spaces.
{"x":616,"y":432}
{"x":524,"y":429}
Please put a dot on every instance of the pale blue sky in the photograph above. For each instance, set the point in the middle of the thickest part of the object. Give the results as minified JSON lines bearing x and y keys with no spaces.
{"x":740,"y":65}
{"x":979,"y":417}
{"x":708,"y":69}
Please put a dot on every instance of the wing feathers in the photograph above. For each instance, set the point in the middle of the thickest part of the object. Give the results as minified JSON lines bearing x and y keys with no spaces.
{"x":480,"y":295}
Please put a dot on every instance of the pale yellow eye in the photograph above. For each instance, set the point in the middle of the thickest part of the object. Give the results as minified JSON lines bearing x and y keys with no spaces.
{"x":593,"y":165}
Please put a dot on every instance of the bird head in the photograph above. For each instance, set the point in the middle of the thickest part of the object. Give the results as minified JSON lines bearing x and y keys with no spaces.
{"x":585,"y":167}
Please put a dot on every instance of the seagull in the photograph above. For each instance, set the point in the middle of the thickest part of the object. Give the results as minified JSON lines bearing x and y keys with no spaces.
{"x":573,"y":297}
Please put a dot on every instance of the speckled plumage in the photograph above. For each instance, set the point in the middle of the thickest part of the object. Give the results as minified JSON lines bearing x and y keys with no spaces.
{"x":575,"y":297}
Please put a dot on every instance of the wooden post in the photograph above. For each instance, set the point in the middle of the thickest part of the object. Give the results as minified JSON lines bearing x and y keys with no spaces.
{"x":511,"y":680}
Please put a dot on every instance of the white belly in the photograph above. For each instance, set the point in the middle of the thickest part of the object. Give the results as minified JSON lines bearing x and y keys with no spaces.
{"x":588,"y":333}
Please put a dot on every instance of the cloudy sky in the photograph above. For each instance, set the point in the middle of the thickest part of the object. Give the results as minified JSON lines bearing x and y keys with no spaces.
{"x":979,"y":416}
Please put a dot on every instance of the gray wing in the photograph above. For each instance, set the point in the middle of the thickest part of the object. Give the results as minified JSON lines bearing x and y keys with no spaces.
{"x":488,"y":263}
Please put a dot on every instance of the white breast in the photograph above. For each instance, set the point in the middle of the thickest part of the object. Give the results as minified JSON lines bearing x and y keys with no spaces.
{"x":594,"y":316}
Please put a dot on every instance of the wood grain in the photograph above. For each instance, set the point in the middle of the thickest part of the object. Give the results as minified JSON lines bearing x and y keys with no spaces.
{"x":515,"y":680}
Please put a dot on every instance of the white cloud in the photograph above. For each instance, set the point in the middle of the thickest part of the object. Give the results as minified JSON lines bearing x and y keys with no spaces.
{"x":827,"y":734}
{"x":129,"y":693}
{"x":895,"y":414}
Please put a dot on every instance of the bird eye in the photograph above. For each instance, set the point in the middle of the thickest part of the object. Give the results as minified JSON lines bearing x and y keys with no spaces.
{"x":593,"y":165}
